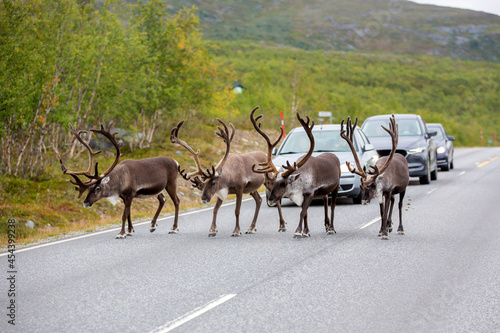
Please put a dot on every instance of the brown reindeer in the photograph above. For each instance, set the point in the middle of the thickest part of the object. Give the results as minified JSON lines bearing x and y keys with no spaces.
{"x":127,"y":180}
{"x":232,"y":175}
{"x":310,"y":177}
{"x":389,"y":176}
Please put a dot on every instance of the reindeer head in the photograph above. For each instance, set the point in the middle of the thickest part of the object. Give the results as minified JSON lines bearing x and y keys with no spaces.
{"x":209,"y":183}
{"x":98,"y":185}
{"x":282,"y":183}
{"x":370,"y":187}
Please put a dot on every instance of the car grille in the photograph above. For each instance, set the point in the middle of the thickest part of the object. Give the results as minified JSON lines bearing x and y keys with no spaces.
{"x":346,"y":187}
{"x":387,"y":152}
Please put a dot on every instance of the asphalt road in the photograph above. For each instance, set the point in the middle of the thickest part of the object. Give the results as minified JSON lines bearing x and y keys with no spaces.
{"x":443,"y":275}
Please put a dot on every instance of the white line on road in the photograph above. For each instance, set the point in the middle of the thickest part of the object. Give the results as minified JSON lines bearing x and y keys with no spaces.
{"x":370,"y":223}
{"x":461,"y":173}
{"x":192,"y":314}
{"x":115,"y":229}
{"x":434,"y":189}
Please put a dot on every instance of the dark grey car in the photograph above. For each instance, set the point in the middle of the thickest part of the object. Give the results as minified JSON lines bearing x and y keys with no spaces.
{"x":444,"y":146}
{"x":415,"y":142}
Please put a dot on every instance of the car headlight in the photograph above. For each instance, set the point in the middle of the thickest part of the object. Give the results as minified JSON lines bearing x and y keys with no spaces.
{"x":344,"y":168}
{"x":416,"y":150}
{"x":441,"y":150}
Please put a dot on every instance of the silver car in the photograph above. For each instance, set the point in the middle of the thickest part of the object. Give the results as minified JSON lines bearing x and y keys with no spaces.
{"x":327,"y":139}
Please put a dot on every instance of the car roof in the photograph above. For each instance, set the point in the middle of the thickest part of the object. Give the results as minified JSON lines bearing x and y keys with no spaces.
{"x":396,"y":115}
{"x":435,"y":124}
{"x":327,"y":127}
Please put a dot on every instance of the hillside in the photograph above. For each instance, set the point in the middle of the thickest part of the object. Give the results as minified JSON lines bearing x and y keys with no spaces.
{"x":398,"y":27}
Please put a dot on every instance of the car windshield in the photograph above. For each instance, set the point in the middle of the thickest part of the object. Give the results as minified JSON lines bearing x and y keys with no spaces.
{"x":406,"y":127}
{"x":324,"y":141}
{"x":440,"y":135}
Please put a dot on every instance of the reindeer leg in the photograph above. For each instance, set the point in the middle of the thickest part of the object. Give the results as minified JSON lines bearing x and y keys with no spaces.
{"x":303,"y":218}
{"x":161,"y":200}
{"x":130,"y":230}
{"x":258,"y":202}
{"x":381,"y":217}
{"x":282,"y":220}
{"x":325,"y":205}
{"x":334,"y":201}
{"x":213,"y":228}
{"x":237,"y":230}
{"x":389,"y":217}
{"x":125,"y":216}
{"x":172,"y":193}
{"x":387,"y":202}
{"x":400,"y":206}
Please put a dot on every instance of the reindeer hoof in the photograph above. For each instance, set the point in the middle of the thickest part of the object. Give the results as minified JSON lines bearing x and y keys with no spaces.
{"x":297,"y":235}
{"x":304,"y":235}
{"x":120,"y":236}
{"x":281,"y":229}
{"x":212,"y":234}
{"x":236,"y":234}
{"x":401,"y":232}
{"x":173,"y":231}
{"x":251,"y":231}
{"x":330,"y":232}
{"x":385,"y":237}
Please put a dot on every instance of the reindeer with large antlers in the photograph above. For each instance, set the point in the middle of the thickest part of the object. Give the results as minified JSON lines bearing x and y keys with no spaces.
{"x":389,"y":176}
{"x":127,"y":180}
{"x":310,"y":177}
{"x":232,"y":175}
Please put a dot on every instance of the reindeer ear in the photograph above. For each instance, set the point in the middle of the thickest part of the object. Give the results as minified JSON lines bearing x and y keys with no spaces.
{"x":293,"y":177}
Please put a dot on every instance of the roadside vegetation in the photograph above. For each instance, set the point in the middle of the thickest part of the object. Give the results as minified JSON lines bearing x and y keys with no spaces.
{"x":136,"y":70}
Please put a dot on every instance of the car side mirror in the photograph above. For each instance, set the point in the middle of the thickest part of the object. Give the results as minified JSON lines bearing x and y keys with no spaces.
{"x":432,"y":133}
{"x":274,"y":151}
{"x":451,"y":138}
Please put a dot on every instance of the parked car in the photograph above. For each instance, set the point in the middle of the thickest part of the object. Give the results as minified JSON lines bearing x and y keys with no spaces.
{"x":327,"y":139}
{"x":444,"y":146}
{"x":415,"y":142}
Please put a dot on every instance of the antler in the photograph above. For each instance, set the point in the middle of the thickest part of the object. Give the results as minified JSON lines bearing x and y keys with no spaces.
{"x":87,"y":172}
{"x":81,"y":185}
{"x":174,"y":138}
{"x":267,"y":166}
{"x":348,"y":137}
{"x":224,"y":135}
{"x":393,"y":132}
{"x":305,"y":124}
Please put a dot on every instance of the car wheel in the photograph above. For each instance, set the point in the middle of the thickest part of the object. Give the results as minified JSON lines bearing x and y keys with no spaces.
{"x":451,"y":162}
{"x":434,"y":174}
{"x":357,"y":200}
{"x":447,"y":167}
{"x":427,"y":178}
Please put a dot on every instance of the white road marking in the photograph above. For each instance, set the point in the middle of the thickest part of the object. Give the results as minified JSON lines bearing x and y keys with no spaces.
{"x":116,"y":229}
{"x":434,"y":189}
{"x":461,"y":173}
{"x":192,"y":314}
{"x":370,"y":223}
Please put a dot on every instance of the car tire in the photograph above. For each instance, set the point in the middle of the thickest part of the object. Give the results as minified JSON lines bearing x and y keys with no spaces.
{"x":434,"y":174}
{"x":451,"y":162}
{"x":427,"y":178}
{"x":446,"y":167}
{"x":357,"y":200}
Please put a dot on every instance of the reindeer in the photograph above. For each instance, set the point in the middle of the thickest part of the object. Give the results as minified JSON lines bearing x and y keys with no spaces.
{"x":232,"y":175}
{"x":127,"y":180}
{"x":308,"y":178}
{"x":389,"y":176}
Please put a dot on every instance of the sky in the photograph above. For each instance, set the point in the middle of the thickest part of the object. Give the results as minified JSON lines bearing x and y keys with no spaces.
{"x":488,"y":6}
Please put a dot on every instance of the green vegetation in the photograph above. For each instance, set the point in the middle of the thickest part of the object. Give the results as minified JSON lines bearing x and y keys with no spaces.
{"x":463,"y":95}
{"x":142,"y":72}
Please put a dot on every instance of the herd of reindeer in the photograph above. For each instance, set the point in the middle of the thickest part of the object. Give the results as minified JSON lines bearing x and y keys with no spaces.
{"x":308,"y":178}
